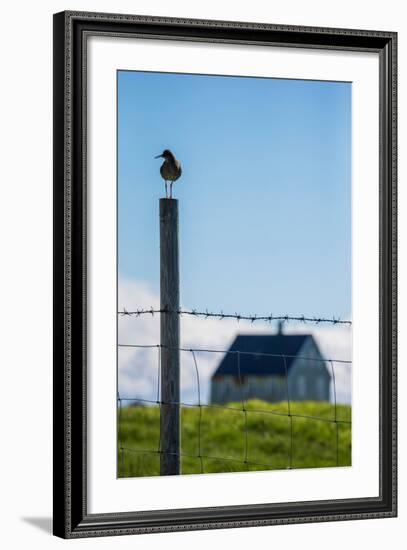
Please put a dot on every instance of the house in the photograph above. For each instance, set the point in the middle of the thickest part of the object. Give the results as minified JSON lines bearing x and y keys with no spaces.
{"x":270,"y":367}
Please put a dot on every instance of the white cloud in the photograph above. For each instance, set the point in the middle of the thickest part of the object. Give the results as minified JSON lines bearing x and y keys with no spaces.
{"x":138,"y":367}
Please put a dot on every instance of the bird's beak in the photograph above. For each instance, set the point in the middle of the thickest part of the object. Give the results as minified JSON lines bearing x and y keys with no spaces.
{"x":158,"y":157}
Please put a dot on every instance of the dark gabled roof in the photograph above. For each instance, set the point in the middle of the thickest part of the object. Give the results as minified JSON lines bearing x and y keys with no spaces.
{"x":276,"y":345}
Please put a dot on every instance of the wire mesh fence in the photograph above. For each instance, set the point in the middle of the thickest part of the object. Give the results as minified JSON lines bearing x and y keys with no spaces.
{"x":282,"y":423}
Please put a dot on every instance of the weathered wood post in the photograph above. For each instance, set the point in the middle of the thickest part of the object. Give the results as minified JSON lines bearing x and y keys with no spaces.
{"x":170,"y":435}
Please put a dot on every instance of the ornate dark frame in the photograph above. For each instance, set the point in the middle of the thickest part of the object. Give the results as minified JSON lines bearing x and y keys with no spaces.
{"x":71,"y":518}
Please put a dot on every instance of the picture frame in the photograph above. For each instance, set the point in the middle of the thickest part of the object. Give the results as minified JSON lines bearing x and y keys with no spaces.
{"x":72,"y":517}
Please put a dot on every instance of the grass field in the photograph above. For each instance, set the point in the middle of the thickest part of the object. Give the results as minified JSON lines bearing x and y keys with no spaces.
{"x":223,"y":435}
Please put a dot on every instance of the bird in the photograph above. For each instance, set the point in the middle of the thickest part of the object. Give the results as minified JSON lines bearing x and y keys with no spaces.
{"x":170,"y":169}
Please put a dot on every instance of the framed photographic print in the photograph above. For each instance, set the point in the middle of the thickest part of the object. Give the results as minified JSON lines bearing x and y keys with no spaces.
{"x":224,"y":274}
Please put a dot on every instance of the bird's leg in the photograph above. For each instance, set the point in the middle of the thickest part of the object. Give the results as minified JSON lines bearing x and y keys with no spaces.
{"x":171,"y":189}
{"x":166,"y":192}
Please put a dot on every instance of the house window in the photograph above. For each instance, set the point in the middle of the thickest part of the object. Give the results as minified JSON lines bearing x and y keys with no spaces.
{"x":239,"y":380}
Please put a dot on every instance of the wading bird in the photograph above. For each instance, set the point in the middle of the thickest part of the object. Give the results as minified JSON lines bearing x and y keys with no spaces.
{"x":170,"y":169}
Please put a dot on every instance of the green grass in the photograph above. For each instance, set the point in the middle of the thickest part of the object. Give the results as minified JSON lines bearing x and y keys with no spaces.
{"x":223,"y":435}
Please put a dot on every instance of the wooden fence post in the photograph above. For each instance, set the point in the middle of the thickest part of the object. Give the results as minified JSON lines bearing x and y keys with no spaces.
{"x":170,"y":434}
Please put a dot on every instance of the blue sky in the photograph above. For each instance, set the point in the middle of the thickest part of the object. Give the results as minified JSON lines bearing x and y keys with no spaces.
{"x":265,"y":195}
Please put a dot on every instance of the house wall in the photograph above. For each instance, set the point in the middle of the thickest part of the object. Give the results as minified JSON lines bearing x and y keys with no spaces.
{"x":228,"y":389}
{"x":309,"y":380}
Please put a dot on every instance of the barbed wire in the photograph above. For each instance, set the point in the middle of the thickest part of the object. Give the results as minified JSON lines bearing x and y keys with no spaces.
{"x":246,"y":459}
{"x":239,"y":317}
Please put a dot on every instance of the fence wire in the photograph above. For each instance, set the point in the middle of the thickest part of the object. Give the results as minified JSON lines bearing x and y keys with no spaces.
{"x":246,"y":460}
{"x":239,"y":317}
